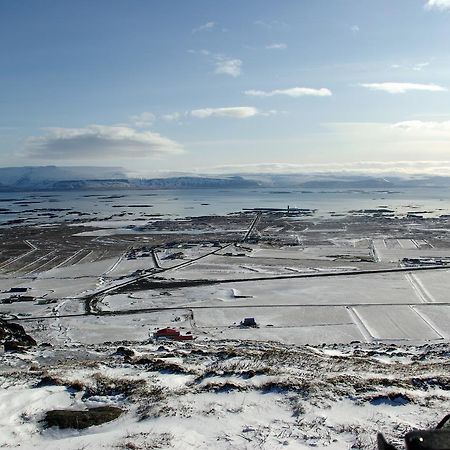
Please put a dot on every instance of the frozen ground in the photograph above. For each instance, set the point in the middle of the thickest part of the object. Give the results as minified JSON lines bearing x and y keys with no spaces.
{"x":225,"y":394}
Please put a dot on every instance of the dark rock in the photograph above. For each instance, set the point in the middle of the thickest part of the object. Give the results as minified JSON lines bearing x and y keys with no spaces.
{"x":14,"y":346}
{"x":198,"y":352}
{"x":47,"y":381}
{"x":63,"y":418}
{"x":14,"y":337}
{"x":124,"y":351}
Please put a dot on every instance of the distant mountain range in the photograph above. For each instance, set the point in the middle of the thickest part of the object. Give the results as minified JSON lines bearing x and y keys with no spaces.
{"x":86,"y":178}
{"x":35,"y":175}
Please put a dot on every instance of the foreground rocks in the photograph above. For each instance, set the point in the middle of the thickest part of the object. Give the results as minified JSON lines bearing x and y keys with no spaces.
{"x":79,"y":420}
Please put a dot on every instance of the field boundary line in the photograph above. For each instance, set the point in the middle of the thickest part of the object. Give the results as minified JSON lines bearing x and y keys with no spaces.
{"x":428,"y":322}
{"x":357,"y":320}
{"x":418,"y":287}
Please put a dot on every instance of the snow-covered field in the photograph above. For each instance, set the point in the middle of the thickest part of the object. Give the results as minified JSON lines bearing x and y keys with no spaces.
{"x":394,"y":250}
{"x":390,"y":307}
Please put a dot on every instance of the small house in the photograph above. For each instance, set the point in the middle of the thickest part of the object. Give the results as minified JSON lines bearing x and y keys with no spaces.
{"x":172,"y":334}
{"x":166,"y":333}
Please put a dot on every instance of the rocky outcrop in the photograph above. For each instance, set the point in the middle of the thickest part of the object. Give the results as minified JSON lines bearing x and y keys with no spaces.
{"x":14,"y":337}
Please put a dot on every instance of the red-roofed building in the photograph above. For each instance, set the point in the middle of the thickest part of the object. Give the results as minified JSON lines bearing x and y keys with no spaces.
{"x":171,"y":333}
{"x":167,"y":333}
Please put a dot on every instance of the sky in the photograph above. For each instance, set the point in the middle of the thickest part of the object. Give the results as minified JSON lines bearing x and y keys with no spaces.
{"x":209,"y":86}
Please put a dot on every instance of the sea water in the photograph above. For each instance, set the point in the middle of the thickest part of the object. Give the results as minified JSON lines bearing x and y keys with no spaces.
{"x":67,"y":206}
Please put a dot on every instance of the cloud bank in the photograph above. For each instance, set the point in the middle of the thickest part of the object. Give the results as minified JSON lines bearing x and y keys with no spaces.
{"x":381,"y":168}
{"x":237,"y":112}
{"x":291,"y":92}
{"x":437,"y":4}
{"x":437,"y":129}
{"x":99,"y":142}
{"x":402,"y":88}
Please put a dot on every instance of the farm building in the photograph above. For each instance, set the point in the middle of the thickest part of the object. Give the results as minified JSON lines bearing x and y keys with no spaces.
{"x":249,"y":322}
{"x":171,"y":333}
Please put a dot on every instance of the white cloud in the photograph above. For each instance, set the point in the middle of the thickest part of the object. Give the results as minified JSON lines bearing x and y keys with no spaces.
{"x":430,"y":128}
{"x":208,"y":26}
{"x":224,"y":65}
{"x":227,"y":66}
{"x":355,"y":28}
{"x":420,"y":66}
{"x":291,"y":92}
{"x":237,"y":112}
{"x":273,"y":24}
{"x":172,"y":117}
{"x":277,"y":46}
{"x":271,"y":112}
{"x":99,"y":142}
{"x":203,"y":52}
{"x":438,"y":4}
{"x":401,"y":88}
{"x":144,"y":119}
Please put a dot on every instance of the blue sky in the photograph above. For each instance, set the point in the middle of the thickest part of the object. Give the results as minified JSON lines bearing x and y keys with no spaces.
{"x":211,"y":86}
